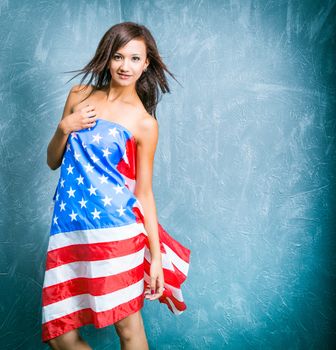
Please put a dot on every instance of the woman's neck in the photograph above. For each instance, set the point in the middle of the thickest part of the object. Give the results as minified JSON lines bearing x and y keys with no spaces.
{"x":125,"y":94}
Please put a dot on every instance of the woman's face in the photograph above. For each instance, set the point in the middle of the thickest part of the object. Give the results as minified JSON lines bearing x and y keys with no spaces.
{"x":128,"y":63}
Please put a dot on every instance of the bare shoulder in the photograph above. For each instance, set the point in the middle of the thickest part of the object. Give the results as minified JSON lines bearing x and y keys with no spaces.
{"x":80,"y":93}
{"x":148,"y":129}
{"x":82,"y":89}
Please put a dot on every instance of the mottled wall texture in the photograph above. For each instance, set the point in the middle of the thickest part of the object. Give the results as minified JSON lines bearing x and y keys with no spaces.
{"x":244,"y":171}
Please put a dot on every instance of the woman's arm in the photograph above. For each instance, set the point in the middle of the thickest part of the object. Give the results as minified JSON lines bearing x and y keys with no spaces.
{"x":146,"y":146}
{"x":57,"y":144}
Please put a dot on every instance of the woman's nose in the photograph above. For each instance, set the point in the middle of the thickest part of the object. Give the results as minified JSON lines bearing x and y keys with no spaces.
{"x":124,"y":65}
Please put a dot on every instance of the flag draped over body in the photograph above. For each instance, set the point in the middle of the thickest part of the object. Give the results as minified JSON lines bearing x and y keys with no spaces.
{"x":98,"y":257}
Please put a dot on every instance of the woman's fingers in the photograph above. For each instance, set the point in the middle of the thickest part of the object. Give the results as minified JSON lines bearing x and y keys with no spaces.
{"x":88,"y":108}
{"x":158,"y":290}
{"x":153,"y":285}
{"x":90,"y":116}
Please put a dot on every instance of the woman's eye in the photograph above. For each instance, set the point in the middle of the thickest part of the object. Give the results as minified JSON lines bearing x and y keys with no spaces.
{"x":117,"y":57}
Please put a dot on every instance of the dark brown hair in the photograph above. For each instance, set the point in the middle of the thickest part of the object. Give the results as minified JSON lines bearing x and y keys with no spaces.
{"x":147,"y":86}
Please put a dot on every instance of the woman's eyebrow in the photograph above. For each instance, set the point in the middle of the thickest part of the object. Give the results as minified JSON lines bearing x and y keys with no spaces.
{"x":133,"y":54}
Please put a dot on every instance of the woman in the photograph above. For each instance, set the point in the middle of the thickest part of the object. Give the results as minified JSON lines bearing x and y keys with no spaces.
{"x":106,"y":244}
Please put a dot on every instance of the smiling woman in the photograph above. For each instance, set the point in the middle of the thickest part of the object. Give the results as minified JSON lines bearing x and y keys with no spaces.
{"x":125,"y":66}
{"x":107,"y":251}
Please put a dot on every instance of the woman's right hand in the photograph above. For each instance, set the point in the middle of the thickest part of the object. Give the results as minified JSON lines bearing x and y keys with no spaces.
{"x":81,"y":119}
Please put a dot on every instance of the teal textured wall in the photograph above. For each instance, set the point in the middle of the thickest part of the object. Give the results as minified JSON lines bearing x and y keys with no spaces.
{"x":244,"y":170}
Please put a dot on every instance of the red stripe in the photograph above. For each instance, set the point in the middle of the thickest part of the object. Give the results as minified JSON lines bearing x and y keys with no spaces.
{"x":178,"y":275}
{"x":83,"y":317}
{"x":93,"y":286}
{"x":94,"y":251}
{"x":165,"y":301}
{"x":138,"y":215}
{"x":180,"y":305}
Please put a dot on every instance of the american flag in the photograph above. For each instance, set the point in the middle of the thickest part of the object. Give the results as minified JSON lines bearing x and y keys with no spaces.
{"x":98,"y":257}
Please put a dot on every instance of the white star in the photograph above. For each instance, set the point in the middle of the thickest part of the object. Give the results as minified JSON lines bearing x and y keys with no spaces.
{"x":107,"y":201}
{"x":118,"y":189}
{"x":63,"y":160}
{"x":103,"y":179}
{"x":73,"y":135}
{"x":89,"y":168}
{"x":68,"y":146}
{"x":77,"y":155}
{"x":71,"y":192}
{"x":62,"y":182}
{"x":113,"y":132}
{"x":121,"y":211}
{"x":106,"y":152}
{"x":96,"y":214}
{"x":73,"y":215}
{"x":96,"y":138}
{"x":55,"y":220}
{"x":62,"y":206}
{"x":57,"y":195}
{"x":84,"y":145}
{"x":95,"y":159}
{"x":80,"y":179}
{"x":92,"y":190}
{"x":70,"y":168}
{"x":82,"y":203}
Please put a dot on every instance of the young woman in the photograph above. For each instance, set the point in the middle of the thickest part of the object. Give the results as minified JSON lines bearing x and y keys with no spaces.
{"x":107,"y":252}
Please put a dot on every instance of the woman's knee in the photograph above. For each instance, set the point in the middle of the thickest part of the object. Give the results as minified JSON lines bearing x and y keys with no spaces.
{"x":129,"y":326}
{"x":65,"y":341}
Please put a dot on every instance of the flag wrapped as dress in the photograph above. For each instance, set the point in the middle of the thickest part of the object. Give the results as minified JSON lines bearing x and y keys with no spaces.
{"x":98,"y":257}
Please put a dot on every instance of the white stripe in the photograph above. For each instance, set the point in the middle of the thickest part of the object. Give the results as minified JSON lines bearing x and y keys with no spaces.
{"x":96,"y":303}
{"x":109,"y":234}
{"x":93,"y":269}
{"x":176,"y":260}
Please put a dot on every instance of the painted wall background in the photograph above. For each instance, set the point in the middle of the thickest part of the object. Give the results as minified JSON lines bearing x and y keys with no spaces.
{"x":244,"y":170}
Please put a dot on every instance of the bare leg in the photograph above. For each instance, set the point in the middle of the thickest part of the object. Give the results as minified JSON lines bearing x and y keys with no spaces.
{"x":69,"y":341}
{"x":132,"y":333}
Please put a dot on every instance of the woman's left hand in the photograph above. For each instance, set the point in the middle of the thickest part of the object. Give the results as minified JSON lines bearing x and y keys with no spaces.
{"x":156,"y":280}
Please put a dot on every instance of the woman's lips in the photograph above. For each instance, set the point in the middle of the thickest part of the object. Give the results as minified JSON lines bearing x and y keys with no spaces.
{"x":123,"y":76}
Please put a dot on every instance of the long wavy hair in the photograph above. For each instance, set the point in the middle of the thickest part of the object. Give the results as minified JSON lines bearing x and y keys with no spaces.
{"x":151,"y":80}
